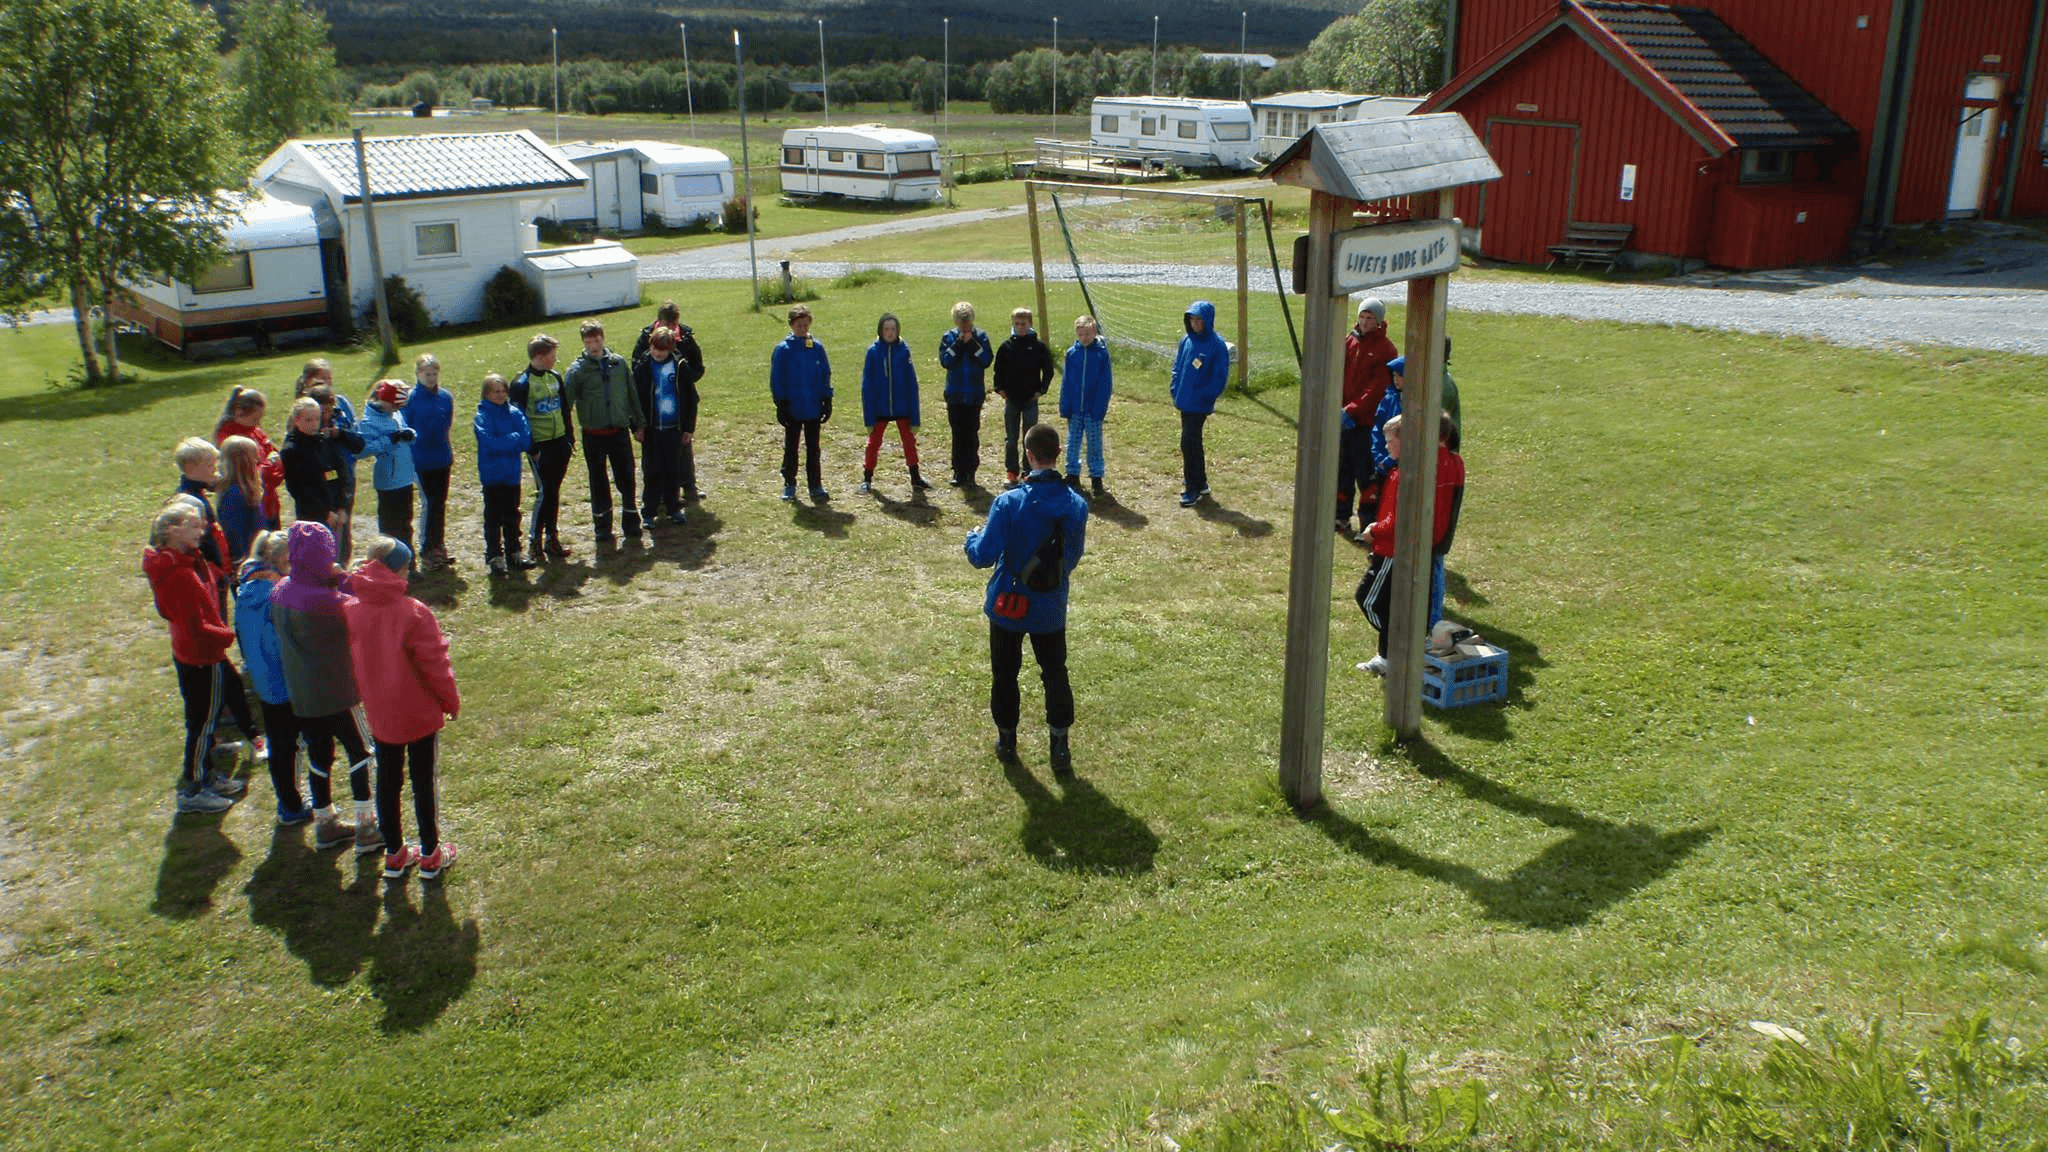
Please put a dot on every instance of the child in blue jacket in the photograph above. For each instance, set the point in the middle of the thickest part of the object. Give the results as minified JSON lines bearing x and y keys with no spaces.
{"x":1085,"y":387}
{"x":800,"y":382}
{"x":388,"y":438}
{"x":502,"y":438}
{"x":1200,"y":373}
{"x":888,"y":392}
{"x":430,"y":411}
{"x":268,"y":562}
{"x":965,"y":354}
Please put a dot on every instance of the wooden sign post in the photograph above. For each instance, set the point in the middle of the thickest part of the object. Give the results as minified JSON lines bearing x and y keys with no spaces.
{"x":1344,"y":165}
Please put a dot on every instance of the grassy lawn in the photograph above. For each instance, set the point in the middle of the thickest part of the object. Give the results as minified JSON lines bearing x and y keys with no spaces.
{"x":740,"y":870}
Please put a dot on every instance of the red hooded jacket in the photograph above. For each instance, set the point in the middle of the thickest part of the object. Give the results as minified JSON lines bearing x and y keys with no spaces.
{"x":1365,"y":373}
{"x":188,"y":597}
{"x":1450,"y":482}
{"x":400,"y":656}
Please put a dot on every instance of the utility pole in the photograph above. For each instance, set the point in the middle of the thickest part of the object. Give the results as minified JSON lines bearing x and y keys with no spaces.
{"x":1241,"y":18}
{"x":555,"y":38}
{"x":376,"y":252}
{"x":1055,"y":77}
{"x":747,"y":166}
{"x":689,"y":91}
{"x":945,"y":100}
{"x":824,"y":87}
{"x":1155,"y":55}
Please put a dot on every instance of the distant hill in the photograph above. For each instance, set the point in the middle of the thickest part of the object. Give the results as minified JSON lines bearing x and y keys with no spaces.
{"x":379,"y":34}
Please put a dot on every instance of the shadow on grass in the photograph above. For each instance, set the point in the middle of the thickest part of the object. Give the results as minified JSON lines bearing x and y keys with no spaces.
{"x":1079,"y":829}
{"x":822,"y":519}
{"x":1600,"y":864}
{"x":442,"y":589}
{"x":324,"y":904}
{"x":917,"y":510}
{"x":1109,"y":508}
{"x":197,"y":856}
{"x":1208,"y":509}
{"x":422,"y":960}
{"x":1459,"y":590}
{"x":71,"y":400}
{"x":1256,"y":398}
{"x":977,"y":497}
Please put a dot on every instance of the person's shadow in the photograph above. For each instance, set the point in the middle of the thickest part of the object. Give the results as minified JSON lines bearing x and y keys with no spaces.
{"x":1567,"y":884}
{"x":828,"y":522}
{"x":1208,"y":509}
{"x":977,"y":497}
{"x":1079,"y":829}
{"x":324,"y":904}
{"x":918,"y":510}
{"x":1108,"y":507}
{"x":197,"y":856}
{"x":422,"y":960}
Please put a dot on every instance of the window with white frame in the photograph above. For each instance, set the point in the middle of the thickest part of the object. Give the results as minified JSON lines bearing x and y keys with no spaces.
{"x":230,"y":275}
{"x":870,"y":161}
{"x":794,"y":157}
{"x":702,"y":184}
{"x":435,"y":239}
{"x":1189,"y":129}
{"x":1766,"y":165}
{"x":650,"y":184}
{"x":917,"y":162}
{"x":1238,"y":130}
{"x":1109,"y":124}
{"x":1148,"y":126}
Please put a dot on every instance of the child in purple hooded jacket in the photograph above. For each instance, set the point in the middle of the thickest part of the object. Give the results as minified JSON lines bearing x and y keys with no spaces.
{"x":312,"y":644}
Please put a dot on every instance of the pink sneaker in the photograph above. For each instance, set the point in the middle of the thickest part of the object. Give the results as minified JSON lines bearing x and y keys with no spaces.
{"x":395,"y":863}
{"x":433,"y":865}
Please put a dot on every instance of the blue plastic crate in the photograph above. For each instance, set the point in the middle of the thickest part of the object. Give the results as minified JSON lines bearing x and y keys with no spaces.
{"x":1461,"y":681}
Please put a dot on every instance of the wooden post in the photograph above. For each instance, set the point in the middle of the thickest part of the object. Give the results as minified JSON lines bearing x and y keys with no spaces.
{"x":1315,"y":479}
{"x":1422,"y":397}
{"x":376,"y":253}
{"x":1037,"y":252}
{"x":1244,"y":309}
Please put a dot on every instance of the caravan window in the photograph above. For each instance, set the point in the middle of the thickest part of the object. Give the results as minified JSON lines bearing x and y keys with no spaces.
{"x":1109,"y":124}
{"x":650,"y":184}
{"x":793,"y":157}
{"x":230,"y":275}
{"x":837,"y":156}
{"x":705,"y":184}
{"x":1148,"y":126}
{"x":917,"y":162}
{"x":435,"y":239}
{"x":1188,"y":129}
{"x":870,"y":161}
{"x":1232,"y":131}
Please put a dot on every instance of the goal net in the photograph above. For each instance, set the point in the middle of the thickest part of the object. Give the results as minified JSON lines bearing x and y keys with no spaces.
{"x":1134,"y":258}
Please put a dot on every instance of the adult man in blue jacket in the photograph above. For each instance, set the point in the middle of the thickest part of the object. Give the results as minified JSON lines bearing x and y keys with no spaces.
{"x":1200,"y":373}
{"x":1027,"y":593}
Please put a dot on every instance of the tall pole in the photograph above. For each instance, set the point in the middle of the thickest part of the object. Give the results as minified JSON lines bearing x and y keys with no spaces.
{"x":376,"y":252}
{"x":1055,"y":77}
{"x":1241,"y":18}
{"x":824,"y":88}
{"x":689,"y":91}
{"x":945,"y":97}
{"x":747,"y":166}
{"x":1155,"y":55}
{"x":555,"y":39}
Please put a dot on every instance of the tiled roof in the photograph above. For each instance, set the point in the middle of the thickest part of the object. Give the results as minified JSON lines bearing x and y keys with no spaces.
{"x":1721,"y":74}
{"x":451,"y":164}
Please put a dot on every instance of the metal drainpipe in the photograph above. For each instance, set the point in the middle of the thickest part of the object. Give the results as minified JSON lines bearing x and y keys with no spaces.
{"x":2022,"y":98}
{"x":1901,"y":100}
{"x":1450,"y":40}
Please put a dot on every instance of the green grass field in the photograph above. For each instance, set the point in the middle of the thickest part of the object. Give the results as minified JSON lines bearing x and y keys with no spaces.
{"x":740,"y":870}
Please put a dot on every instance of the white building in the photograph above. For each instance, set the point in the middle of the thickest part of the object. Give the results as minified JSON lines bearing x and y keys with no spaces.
{"x":636,"y":184}
{"x":860,"y":162}
{"x":451,"y":208}
{"x":1284,"y":116}
{"x":1195,"y":133}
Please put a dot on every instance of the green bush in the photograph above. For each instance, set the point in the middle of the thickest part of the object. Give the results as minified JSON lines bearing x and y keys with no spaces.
{"x":864,"y":277}
{"x":409,"y":316}
{"x":509,"y":298}
{"x":985,"y":174}
{"x":734,"y":216}
{"x":771,"y":291}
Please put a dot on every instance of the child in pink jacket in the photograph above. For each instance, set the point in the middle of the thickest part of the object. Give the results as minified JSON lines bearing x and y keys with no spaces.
{"x":408,"y":689}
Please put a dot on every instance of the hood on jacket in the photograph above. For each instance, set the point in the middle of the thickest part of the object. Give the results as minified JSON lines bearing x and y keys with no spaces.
{"x":314,"y":582}
{"x":1397,"y":365}
{"x":374,"y":582}
{"x":160,"y":562}
{"x":251,"y":569}
{"x":1206,"y":311}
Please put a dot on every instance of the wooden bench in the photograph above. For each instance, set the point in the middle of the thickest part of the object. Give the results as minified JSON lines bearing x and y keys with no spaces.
{"x":1591,"y":244}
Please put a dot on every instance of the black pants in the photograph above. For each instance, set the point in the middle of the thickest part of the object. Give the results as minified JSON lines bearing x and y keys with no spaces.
{"x":321,"y":733}
{"x":394,"y":513}
{"x":549,"y":463}
{"x":812,"y":469}
{"x":345,"y":540}
{"x":501,"y":520}
{"x":965,"y":420}
{"x":661,"y":480}
{"x":1018,"y":417}
{"x":686,"y":467}
{"x":206,"y":689}
{"x":613,"y":449}
{"x":433,"y":510}
{"x":391,"y":773}
{"x":1375,"y":595}
{"x":281,"y":729}
{"x":1194,"y":462}
{"x":1006,"y":659}
{"x":1355,"y":473}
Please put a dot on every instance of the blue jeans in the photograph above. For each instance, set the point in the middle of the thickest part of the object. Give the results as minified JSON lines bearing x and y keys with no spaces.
{"x":1090,"y":427}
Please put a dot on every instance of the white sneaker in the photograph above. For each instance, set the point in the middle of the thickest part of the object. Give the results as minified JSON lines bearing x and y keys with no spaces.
{"x":1377,"y":666}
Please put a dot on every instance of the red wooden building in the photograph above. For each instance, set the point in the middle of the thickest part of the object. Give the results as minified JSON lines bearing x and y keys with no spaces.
{"x":1747,"y":133}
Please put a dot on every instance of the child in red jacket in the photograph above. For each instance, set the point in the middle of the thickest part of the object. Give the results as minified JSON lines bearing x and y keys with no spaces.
{"x":187,"y":595}
{"x":1375,"y":593}
{"x":408,"y":687}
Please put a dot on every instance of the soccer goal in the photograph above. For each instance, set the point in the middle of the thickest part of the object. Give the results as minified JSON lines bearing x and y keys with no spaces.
{"x":1134,"y":257}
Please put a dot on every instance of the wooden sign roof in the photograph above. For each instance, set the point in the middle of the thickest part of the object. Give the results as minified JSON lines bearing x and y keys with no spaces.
{"x":1381,"y":159}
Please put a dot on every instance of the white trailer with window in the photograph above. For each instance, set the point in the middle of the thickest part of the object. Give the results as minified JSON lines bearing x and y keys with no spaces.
{"x":269,"y":281}
{"x":860,"y":162}
{"x":1195,"y":133}
{"x":636,"y":184}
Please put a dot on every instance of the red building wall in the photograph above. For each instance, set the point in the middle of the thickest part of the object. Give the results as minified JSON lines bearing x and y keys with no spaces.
{"x":2030,"y":191}
{"x":1566,"y":82}
{"x":1955,"y":38}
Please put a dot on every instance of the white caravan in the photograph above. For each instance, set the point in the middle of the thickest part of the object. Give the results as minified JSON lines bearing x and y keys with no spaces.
{"x":1196,"y":133}
{"x":636,"y":184}
{"x":271,"y":280}
{"x":860,"y":162}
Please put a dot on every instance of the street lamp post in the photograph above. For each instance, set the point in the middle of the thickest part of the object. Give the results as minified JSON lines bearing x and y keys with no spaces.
{"x":739,"y":64}
{"x":689,"y":90}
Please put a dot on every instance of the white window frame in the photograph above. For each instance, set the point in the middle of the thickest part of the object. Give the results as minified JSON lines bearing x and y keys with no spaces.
{"x":870,"y":162}
{"x":419,"y":249}
{"x":1190,"y":130}
{"x":215,"y":279}
{"x":1109,"y":124}
{"x":1231,"y":131}
{"x":1148,"y":126}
